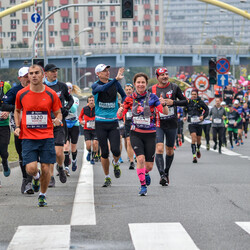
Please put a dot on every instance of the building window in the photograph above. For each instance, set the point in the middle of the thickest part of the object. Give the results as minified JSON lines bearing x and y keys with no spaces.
{"x":112,"y":13}
{"x":92,"y":24}
{"x":52,"y":45}
{"x":51,"y":21}
{"x":26,"y":10}
{"x":135,"y":34}
{"x":12,"y":1}
{"x":2,"y":34}
{"x":51,"y":8}
{"x":76,"y":20}
{"x":157,"y":23}
{"x":91,"y":35}
{"x":27,"y":34}
{"x":66,"y":20}
{"x":125,"y":36}
{"x":53,"y":33}
{"x":90,"y":13}
{"x":103,"y":15}
{"x":13,"y":14}
{"x":13,"y":24}
{"x":137,"y":1}
{"x":76,"y":8}
{"x":156,"y":12}
{"x":114,"y":24}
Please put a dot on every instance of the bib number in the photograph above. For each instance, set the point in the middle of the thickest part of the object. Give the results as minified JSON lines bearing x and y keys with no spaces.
{"x":36,"y":119}
{"x":121,"y":124}
{"x":231,"y":122}
{"x":91,"y":124}
{"x":217,"y":120}
{"x":142,"y":121}
{"x":195,"y":119}
{"x":170,"y":113}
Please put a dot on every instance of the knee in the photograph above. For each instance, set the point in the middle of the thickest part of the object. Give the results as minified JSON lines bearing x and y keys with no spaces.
{"x":159,"y":149}
{"x":116,"y":152}
{"x":140,"y":160}
{"x":169,"y":151}
{"x":31,"y":169}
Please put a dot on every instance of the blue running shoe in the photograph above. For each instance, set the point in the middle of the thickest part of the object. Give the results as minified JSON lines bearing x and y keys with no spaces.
{"x":74,"y":166}
{"x":143,"y":191}
{"x":36,"y":185}
{"x":42,"y":201}
{"x":92,"y":162}
{"x":121,"y":160}
{"x":7,"y":172}
{"x":148,"y":179}
{"x":232,"y":147}
{"x":88,"y":156}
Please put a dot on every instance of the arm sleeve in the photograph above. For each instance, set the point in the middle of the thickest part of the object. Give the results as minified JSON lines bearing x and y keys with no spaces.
{"x":206,"y":109}
{"x":182,"y":99}
{"x":56,"y":103}
{"x":121,"y":91}
{"x":102,"y":88}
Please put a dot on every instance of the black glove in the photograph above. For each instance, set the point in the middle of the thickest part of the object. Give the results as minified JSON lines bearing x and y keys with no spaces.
{"x":65,"y":112}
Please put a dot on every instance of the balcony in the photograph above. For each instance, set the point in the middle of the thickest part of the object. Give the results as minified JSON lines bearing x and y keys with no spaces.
{"x":64,"y":26}
{"x":147,"y":27}
{"x":147,"y":6}
{"x":64,"y":2}
{"x":64,"y":13}
{"x":65,"y":38}
{"x":146,"y":38}
{"x":146,"y":17}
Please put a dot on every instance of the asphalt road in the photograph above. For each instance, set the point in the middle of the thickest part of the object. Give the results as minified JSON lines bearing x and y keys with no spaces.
{"x":206,"y":199}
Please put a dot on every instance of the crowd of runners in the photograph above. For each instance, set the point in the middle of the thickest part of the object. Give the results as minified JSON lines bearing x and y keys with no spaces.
{"x":45,"y":117}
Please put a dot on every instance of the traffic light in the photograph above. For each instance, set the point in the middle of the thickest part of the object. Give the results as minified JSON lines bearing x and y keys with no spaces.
{"x":212,"y":71}
{"x":38,"y":61}
{"x":127,"y":8}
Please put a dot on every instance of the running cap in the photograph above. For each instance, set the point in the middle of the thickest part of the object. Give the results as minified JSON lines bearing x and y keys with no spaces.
{"x":50,"y":67}
{"x":23,"y":71}
{"x":223,"y":103}
{"x":101,"y":67}
{"x":230,"y":105}
{"x":206,"y":101}
{"x":69,"y":84}
{"x":236,"y":101}
{"x":160,"y":71}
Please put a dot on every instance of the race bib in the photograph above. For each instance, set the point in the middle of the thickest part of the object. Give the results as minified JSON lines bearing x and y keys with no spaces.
{"x":141,"y":120}
{"x":107,"y":105}
{"x":121,"y":124}
{"x":36,"y":119}
{"x":91,"y":124}
{"x":170,"y":112}
{"x":231,"y":122}
{"x":217,"y":120}
{"x":195,"y":119}
{"x":129,"y":115}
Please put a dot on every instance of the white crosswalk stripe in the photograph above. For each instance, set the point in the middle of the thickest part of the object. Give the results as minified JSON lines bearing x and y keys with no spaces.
{"x":244,"y":225}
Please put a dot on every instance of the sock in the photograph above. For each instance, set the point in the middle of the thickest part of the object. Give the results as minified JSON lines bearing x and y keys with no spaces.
{"x":159,"y":163}
{"x":193,"y":146}
{"x":141,"y":175}
{"x":37,"y":176}
{"x":42,"y":194}
{"x":168,"y":163}
{"x":146,"y":171}
{"x":74,"y":154}
{"x":107,"y":176}
{"x":66,"y":160}
{"x":198,"y":146}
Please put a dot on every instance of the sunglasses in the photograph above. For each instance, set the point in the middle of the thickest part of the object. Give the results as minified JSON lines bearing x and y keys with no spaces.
{"x":129,"y":84}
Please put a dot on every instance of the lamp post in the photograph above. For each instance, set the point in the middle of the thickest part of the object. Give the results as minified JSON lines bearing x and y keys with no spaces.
{"x":72,"y":53}
{"x":85,"y":75}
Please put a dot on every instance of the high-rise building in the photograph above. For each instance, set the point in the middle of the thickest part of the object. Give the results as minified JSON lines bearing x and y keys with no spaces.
{"x":17,"y":29}
{"x":193,"y":22}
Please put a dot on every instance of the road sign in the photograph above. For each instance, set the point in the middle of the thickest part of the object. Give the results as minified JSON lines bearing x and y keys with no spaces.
{"x":187,"y":92}
{"x":201,"y":83}
{"x":222,"y":80}
{"x":222,"y":66}
{"x":35,"y":18}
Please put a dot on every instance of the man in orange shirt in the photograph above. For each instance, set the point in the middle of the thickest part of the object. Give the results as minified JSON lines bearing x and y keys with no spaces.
{"x":34,"y":126}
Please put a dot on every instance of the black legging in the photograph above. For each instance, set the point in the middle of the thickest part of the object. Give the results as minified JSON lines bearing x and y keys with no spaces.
{"x":231,"y":133}
{"x":219,"y":131}
{"x":245,"y":126}
{"x":206,"y":129}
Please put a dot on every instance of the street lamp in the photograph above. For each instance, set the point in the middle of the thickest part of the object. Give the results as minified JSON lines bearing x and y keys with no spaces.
{"x":85,"y":75}
{"x":87,"y":29}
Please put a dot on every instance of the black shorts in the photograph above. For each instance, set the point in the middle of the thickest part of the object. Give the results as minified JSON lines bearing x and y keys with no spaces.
{"x":73,"y":134}
{"x":170,"y":135}
{"x":122,"y":132}
{"x":195,"y":128}
{"x":5,"y":134}
{"x":127,"y":129}
{"x":143,"y":144}
{"x":59,"y":135}
{"x":90,"y":135}
{"x":240,"y":125}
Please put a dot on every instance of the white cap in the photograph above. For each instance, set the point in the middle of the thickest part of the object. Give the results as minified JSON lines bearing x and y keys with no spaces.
{"x":236,"y":101}
{"x":23,"y":71}
{"x":223,"y":103}
{"x":101,"y":67}
{"x":69,"y":84}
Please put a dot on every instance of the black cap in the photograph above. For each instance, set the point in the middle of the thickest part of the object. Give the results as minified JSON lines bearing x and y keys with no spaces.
{"x":230,"y":105}
{"x":50,"y":67}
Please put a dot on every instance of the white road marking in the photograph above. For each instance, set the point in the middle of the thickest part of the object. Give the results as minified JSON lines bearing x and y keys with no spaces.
{"x":83,"y":212}
{"x":160,"y":236}
{"x":224,"y":150}
{"x":41,"y":237}
{"x":244,"y":225}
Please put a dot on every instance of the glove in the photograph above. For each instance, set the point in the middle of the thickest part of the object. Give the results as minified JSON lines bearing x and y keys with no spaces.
{"x":65,"y":112}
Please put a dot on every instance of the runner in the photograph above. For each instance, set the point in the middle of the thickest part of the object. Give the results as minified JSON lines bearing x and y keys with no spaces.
{"x":106,"y":122}
{"x":197,"y":111}
{"x":239,"y":95}
{"x":233,"y":119}
{"x":246,"y":114}
{"x":60,"y":136}
{"x":9,"y":100}
{"x":87,"y":119}
{"x":240,"y":110}
{"x":228,"y":95}
{"x":224,"y":142}
{"x":166,"y":126}
{"x":34,"y":125}
{"x":218,"y":114}
{"x":4,"y":129}
{"x":179,"y":126}
{"x":73,"y":130}
{"x":206,"y":125}
{"x":143,"y":130}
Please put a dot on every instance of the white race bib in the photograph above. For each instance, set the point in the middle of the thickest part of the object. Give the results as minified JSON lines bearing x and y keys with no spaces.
{"x":121,"y":124}
{"x":141,"y":120}
{"x":128,"y":115}
{"x":170,"y":112}
{"x":195,"y":119}
{"x":217,"y":120}
{"x":91,"y":124}
{"x":231,"y":122}
{"x":36,"y":119}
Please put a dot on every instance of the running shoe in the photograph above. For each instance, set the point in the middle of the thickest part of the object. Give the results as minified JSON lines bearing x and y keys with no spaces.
{"x":135,"y":158}
{"x":67,"y":171}
{"x":163,"y":180}
{"x":92,"y":161}
{"x":52,"y":182}
{"x":121,"y":160}
{"x":237,"y":144}
{"x":232,"y":147}
{"x":148,"y":179}
{"x":194,"y":159}
{"x":174,"y":147}
{"x":180,"y":143}
{"x":219,"y":150}
{"x":117,"y":170}
{"x":246,"y":136}
{"x":74,"y":165}
{"x":62,"y":175}
{"x":28,"y":188}
{"x":6,"y":169}
{"x":36,"y":185}
{"x":242,"y":142}
{"x":215,"y":146}
{"x":96,"y":158}
{"x":208,"y":146}
{"x":24,"y":182}
{"x":198,"y":153}
{"x":107,"y":182}
{"x":88,"y":156}
{"x":42,"y":201}
{"x":143,"y":191}
{"x":132,"y":165}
